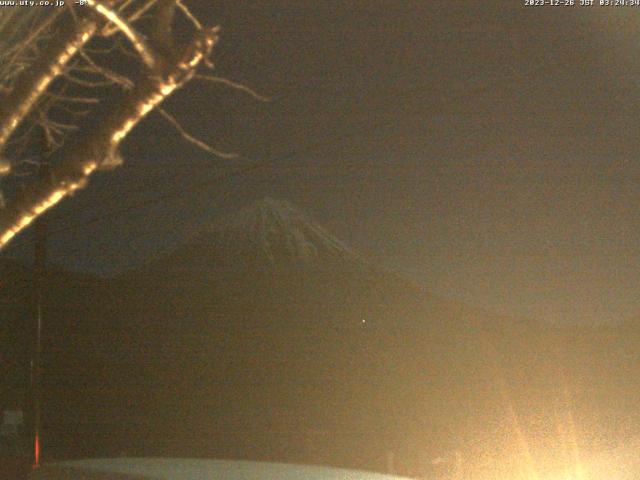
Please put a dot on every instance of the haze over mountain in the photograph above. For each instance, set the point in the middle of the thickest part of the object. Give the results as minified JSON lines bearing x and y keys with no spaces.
{"x":266,"y":337}
{"x":309,"y":312}
{"x":270,"y":261}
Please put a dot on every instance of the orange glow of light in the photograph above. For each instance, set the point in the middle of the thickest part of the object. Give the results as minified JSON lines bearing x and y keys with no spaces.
{"x":36,"y":451}
{"x":525,"y":463}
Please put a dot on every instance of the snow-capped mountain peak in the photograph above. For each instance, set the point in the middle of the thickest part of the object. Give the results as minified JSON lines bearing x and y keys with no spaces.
{"x":276,"y":231}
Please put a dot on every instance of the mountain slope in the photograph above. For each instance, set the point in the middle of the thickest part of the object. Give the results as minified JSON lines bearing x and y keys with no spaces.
{"x":268,"y":261}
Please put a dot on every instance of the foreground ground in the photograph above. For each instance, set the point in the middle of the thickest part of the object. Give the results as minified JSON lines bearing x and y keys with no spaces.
{"x":191,"y":469}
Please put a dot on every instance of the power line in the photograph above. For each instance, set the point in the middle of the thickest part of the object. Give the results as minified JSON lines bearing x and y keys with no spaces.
{"x":181,"y":191}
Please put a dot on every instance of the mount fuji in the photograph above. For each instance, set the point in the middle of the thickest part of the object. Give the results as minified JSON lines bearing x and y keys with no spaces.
{"x":275,"y":232}
{"x":268,"y":263}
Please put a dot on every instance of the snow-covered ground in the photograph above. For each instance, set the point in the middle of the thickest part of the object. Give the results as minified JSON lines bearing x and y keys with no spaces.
{"x":622,"y":463}
{"x":193,"y":469}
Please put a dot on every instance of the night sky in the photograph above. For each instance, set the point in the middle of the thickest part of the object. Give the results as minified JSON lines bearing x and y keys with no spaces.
{"x":486,"y":148}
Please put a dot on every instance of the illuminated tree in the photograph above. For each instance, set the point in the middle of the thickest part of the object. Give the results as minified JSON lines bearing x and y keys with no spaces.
{"x":57,"y":68}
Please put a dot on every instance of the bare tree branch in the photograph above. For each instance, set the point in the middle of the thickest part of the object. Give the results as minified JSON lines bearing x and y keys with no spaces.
{"x":5,"y":167}
{"x":235,"y":85}
{"x":97,"y":147}
{"x":147,"y":54}
{"x":35,"y":81}
{"x":110,"y":29}
{"x":191,"y":139}
{"x":187,"y":13}
{"x":74,"y":99}
{"x":107,"y":73}
{"x":27,"y":42}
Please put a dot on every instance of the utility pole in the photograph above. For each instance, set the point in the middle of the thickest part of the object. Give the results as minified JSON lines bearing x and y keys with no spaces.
{"x":40,"y":265}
